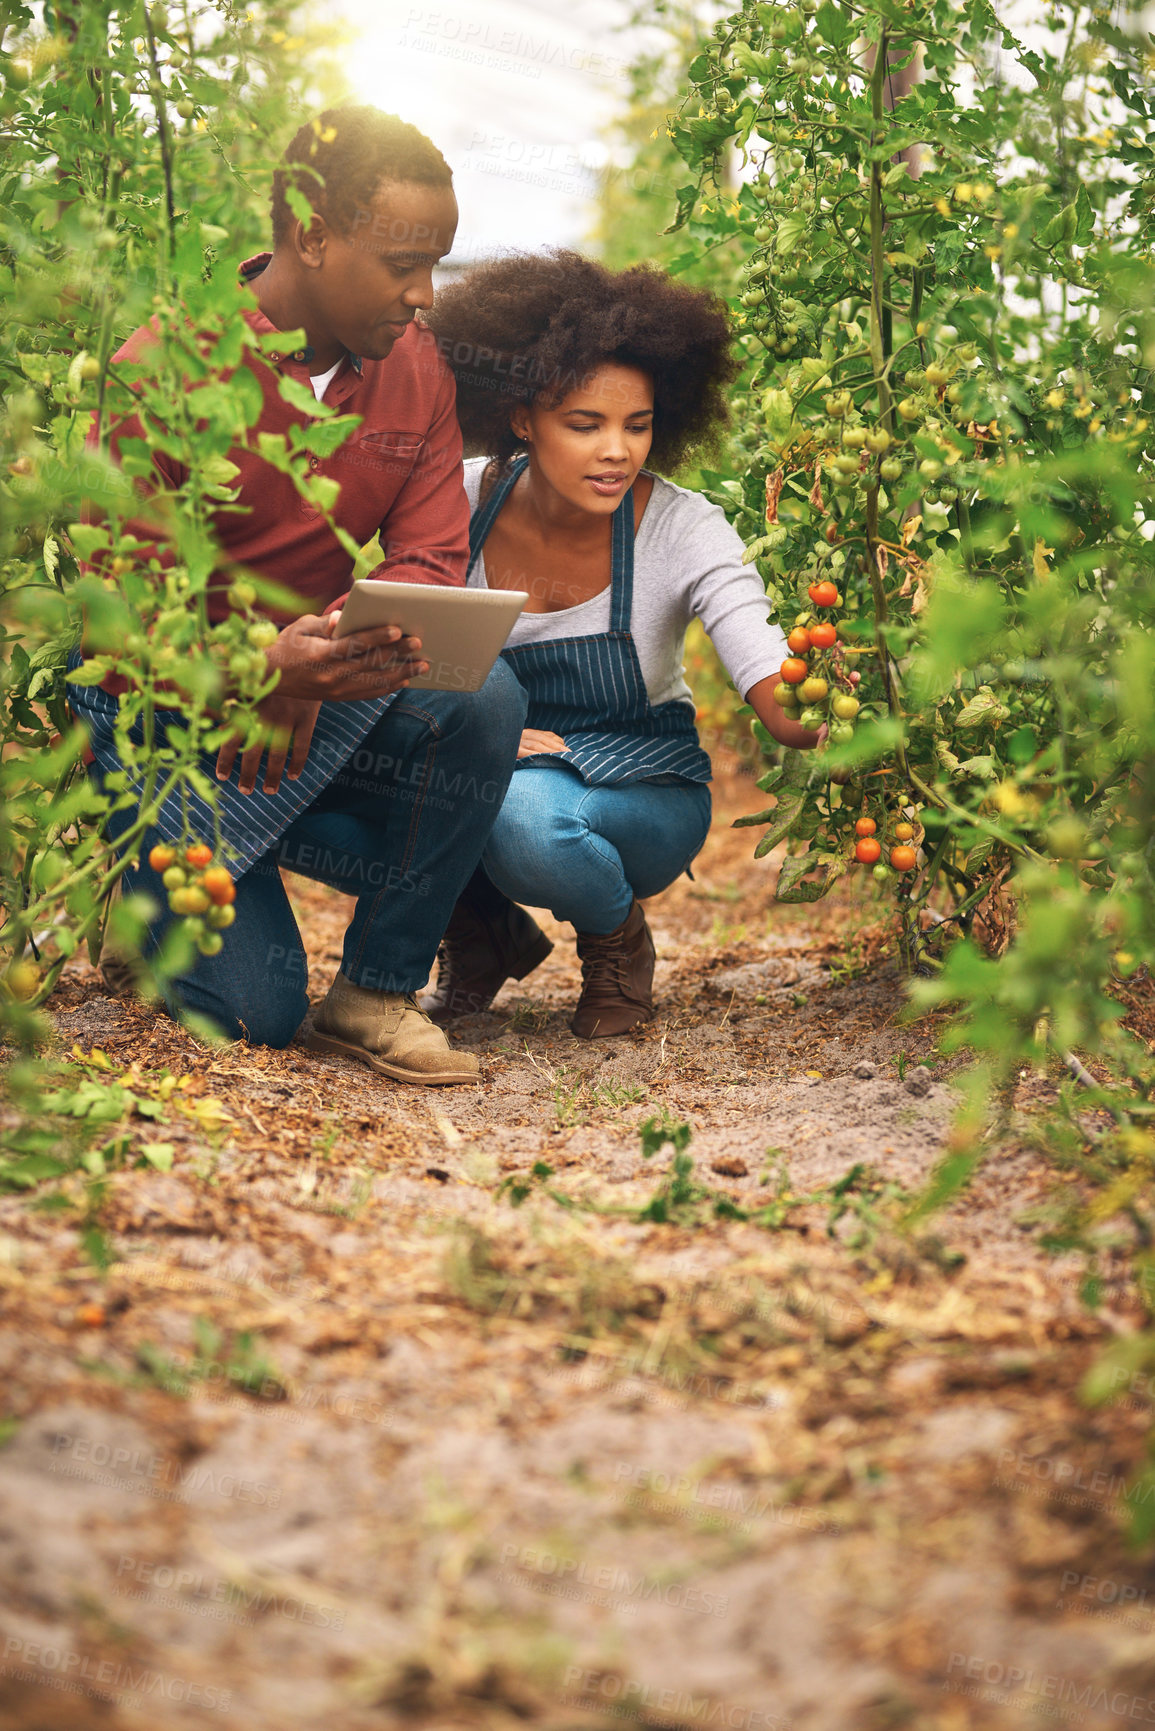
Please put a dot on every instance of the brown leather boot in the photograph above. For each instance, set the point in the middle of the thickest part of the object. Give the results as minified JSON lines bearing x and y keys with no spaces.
{"x":489,"y":940}
{"x":617,"y":979}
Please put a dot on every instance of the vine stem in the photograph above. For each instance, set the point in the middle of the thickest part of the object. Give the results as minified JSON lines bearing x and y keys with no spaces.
{"x":169,"y":228}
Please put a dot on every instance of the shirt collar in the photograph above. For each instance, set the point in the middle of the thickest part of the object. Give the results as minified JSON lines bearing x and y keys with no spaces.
{"x":249,"y":271}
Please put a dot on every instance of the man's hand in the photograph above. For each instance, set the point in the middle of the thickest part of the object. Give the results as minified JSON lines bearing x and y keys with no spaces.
{"x":288,"y":722}
{"x":533,"y":742}
{"x":321,"y":668}
{"x":315,"y":667}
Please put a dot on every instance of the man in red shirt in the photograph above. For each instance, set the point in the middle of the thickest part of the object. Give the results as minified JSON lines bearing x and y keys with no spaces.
{"x":386,"y":793}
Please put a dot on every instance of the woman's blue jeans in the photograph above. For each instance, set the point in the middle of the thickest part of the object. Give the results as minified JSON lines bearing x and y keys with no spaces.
{"x":403,"y":841}
{"x":585,"y":852}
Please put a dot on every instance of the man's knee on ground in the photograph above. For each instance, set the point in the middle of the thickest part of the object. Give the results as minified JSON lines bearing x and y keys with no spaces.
{"x":263,"y":1012}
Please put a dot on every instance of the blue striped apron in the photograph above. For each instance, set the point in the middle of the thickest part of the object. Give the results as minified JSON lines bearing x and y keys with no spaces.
{"x":590,"y":690}
{"x":250,"y":823}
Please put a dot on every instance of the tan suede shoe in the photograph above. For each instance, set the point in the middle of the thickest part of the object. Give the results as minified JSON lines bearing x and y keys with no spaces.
{"x":388,"y":1032}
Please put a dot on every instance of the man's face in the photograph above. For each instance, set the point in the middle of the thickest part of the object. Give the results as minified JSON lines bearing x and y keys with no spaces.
{"x":368,"y":284}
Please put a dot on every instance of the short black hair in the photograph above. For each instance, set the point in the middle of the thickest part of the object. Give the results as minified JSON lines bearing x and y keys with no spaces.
{"x":340,"y":159}
{"x":532,"y":326}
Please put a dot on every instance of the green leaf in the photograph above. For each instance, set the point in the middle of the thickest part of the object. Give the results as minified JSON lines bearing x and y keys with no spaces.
{"x":327,"y":436}
{"x":984,"y":708}
{"x":687,"y":197}
{"x":807,"y":877}
{"x":301,"y":397}
{"x":1084,"y":218}
{"x":282,"y":342}
{"x":159,"y":1154}
{"x":789,"y":807}
{"x":790,"y":231}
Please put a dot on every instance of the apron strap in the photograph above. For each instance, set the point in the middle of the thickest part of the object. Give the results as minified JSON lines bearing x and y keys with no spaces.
{"x":485,"y":516}
{"x":621,"y":543}
{"x":622,"y":564}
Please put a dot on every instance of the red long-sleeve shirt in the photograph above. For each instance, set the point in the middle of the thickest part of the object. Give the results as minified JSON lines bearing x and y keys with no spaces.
{"x":399,"y":472}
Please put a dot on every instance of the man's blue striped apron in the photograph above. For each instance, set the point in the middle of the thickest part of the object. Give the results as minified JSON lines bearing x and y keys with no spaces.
{"x":591,"y":690}
{"x":250,"y":823}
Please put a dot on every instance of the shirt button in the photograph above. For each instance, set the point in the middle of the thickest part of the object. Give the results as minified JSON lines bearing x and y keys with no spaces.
{"x":314,"y":462}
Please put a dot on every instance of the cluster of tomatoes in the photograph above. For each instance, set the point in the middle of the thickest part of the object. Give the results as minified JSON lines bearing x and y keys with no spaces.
{"x":201,"y":892}
{"x":805,"y":691}
{"x":868,"y":848}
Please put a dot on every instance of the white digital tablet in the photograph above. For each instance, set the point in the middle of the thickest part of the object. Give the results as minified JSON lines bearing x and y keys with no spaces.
{"x":462,"y":631}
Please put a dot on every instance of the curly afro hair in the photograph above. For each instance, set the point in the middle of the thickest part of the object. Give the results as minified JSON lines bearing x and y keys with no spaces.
{"x":340,"y":159}
{"x":533,"y":326}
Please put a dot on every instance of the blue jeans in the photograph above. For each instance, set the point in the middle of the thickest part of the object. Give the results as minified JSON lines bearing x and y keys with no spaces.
{"x":401,"y":827}
{"x":585,"y":852}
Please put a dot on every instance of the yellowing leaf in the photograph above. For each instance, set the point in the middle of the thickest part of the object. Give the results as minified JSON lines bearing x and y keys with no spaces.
{"x":1042,"y":569}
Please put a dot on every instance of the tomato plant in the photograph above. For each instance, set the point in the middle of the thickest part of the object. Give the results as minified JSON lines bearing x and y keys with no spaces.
{"x":945,"y":449}
{"x":138,"y":143}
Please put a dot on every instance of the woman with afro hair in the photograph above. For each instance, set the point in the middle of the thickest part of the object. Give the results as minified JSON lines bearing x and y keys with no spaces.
{"x":580,"y":389}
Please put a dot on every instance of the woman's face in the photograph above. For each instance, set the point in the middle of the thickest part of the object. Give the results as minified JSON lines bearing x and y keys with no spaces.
{"x":592,"y":444}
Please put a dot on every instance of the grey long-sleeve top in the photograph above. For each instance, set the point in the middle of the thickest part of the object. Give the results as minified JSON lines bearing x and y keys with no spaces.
{"x":687,"y":564}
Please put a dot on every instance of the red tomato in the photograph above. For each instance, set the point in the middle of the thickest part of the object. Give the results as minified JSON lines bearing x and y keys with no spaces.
{"x":161,"y":857}
{"x":823,"y":594}
{"x":219,"y":886}
{"x":823,"y":635}
{"x":198,"y":855}
{"x":793,"y":670}
{"x":902,"y":858}
{"x":866,"y":850}
{"x":799,"y":641}
{"x":865,"y":826}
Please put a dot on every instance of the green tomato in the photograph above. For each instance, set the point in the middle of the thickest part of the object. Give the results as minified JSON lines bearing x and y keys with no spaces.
{"x":891,"y":469}
{"x":878,"y":440}
{"x":841,"y":732}
{"x":263,"y":634}
{"x":812,"y":719}
{"x":930,"y":468}
{"x":844,"y":706}
{"x":812,"y":690}
{"x":881,"y":873}
{"x":855,"y":437}
{"x":209,"y":943}
{"x":1067,"y":838}
{"x":910,"y":409}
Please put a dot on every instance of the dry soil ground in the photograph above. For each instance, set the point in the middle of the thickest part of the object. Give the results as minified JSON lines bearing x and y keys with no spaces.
{"x":344,"y":1436}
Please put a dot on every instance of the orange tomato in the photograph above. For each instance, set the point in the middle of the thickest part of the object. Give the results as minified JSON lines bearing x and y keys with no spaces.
{"x":794,"y":670}
{"x":903,"y":831}
{"x":865,"y":826}
{"x":219,"y":886}
{"x":799,"y":640}
{"x":823,"y":594}
{"x":198,"y":855}
{"x":902,"y":858}
{"x":866,"y":850}
{"x":161,"y":857}
{"x":823,"y":635}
